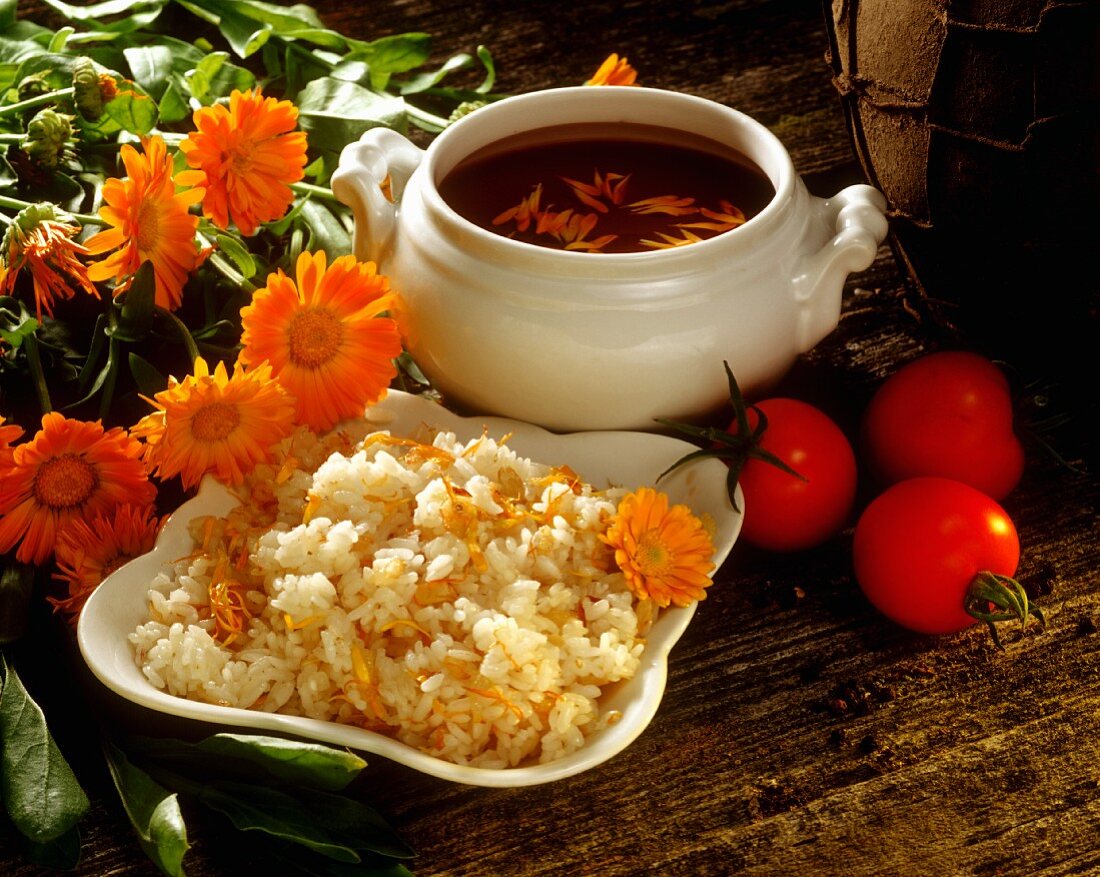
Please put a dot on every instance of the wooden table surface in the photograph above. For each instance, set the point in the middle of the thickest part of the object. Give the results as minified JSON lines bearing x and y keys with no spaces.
{"x":801,"y":733}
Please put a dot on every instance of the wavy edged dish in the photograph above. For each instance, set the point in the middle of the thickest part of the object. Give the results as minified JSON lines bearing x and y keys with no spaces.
{"x":629,"y":459}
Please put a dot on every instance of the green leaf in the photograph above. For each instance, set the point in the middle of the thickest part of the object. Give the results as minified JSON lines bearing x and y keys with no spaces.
{"x":153,"y":811}
{"x":238,"y":252}
{"x":8,"y":13}
{"x":298,"y":764}
{"x":137,"y":305}
{"x":151,"y":67}
{"x":398,"y":53}
{"x":95,"y":350}
{"x":486,"y":59}
{"x":147,"y":376}
{"x":326,"y":231}
{"x":60,"y":854}
{"x":336,"y":112}
{"x":57,"y":43}
{"x":132,"y":111}
{"x":40,"y":792}
{"x":333,"y":825}
{"x":16,"y":324}
{"x":16,"y":51}
{"x":283,"y":225}
{"x":242,"y":33}
{"x":173,"y":105}
{"x":281,"y":18}
{"x":135,"y":13}
{"x":214,"y":76}
{"x":110,"y":368}
{"x":427,"y":80}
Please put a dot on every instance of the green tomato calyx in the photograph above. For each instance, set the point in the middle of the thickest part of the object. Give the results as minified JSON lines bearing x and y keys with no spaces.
{"x":992,"y":598}
{"x":734,"y":448}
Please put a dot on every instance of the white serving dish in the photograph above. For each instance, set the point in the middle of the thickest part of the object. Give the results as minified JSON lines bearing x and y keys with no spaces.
{"x":628,"y":459}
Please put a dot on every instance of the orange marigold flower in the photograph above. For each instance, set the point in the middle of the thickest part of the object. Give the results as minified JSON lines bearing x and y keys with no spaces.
{"x":90,"y":550}
{"x":149,"y":221}
{"x":325,"y":336}
{"x":215,"y":423}
{"x":664,"y":553}
{"x":246,"y":155}
{"x":70,"y":470}
{"x":40,"y":240}
{"x":614,"y":71}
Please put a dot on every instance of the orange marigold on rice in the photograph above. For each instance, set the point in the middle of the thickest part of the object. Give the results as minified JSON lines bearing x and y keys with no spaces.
{"x":90,"y":550}
{"x":665,"y":553}
{"x":325,"y":336}
{"x":245,"y":155}
{"x":148,"y":221}
{"x":71,"y":470}
{"x":211,"y":422}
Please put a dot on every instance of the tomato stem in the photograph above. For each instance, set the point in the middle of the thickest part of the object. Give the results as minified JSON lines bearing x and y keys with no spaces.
{"x":1006,"y":594}
{"x":734,"y":448}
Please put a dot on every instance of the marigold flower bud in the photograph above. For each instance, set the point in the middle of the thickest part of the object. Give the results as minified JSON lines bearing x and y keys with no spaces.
{"x":465,"y":108}
{"x":86,"y":92}
{"x":47,"y":134}
{"x":32,"y":86}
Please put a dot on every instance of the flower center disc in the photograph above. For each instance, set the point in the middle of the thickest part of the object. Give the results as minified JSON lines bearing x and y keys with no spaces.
{"x":653,"y":557}
{"x":313,"y":337}
{"x":213,"y":422}
{"x":65,"y":481}
{"x":240,"y":159}
{"x":148,"y":226}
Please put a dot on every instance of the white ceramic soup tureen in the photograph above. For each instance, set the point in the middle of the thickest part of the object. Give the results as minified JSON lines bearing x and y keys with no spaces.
{"x":578,"y":341}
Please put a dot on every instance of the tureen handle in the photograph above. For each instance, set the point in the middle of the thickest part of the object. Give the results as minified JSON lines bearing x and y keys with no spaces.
{"x":856,"y":218}
{"x":379,"y":160}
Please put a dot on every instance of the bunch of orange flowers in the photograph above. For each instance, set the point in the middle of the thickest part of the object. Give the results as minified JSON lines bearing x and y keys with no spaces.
{"x":317,"y":347}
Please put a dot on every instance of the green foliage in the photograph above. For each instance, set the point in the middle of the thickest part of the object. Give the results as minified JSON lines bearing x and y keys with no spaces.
{"x":153,"y":811}
{"x":282,"y":789}
{"x":40,"y":794}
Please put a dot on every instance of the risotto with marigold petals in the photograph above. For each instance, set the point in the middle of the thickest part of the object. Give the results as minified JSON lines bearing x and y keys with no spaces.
{"x":450,"y":594}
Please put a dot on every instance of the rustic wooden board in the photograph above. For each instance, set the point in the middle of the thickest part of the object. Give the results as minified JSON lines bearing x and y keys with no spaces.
{"x":801,"y":733}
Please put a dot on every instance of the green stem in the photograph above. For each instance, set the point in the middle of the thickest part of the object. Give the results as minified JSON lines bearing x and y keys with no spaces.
{"x":36,"y":101}
{"x":432,"y":119}
{"x":230,"y":273}
{"x":18,"y":204}
{"x":321,"y":192}
{"x":30,"y":344}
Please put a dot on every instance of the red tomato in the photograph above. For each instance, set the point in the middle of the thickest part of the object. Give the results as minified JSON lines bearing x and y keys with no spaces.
{"x":919,"y":545}
{"x":947,"y":414}
{"x":786,"y":513}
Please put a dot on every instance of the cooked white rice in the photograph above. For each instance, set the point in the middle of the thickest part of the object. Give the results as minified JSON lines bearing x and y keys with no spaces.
{"x":452,"y":595}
